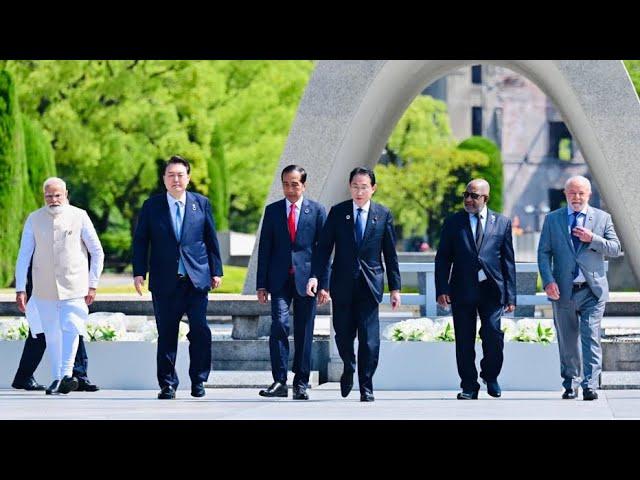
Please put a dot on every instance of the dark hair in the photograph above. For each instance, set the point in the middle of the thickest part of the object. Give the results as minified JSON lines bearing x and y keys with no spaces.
{"x":177,"y":159}
{"x":295,"y":168}
{"x":363,"y":171}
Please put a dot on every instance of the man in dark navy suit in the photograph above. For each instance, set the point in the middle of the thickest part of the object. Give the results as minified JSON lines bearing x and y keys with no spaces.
{"x":184,"y":265}
{"x":475,"y":273}
{"x":361,"y":232}
{"x":290,"y":232}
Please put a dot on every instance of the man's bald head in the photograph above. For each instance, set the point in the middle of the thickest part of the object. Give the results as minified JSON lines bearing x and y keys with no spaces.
{"x":478,"y":188}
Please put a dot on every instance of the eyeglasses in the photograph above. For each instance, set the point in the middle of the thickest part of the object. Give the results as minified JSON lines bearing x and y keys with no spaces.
{"x":474,"y":196}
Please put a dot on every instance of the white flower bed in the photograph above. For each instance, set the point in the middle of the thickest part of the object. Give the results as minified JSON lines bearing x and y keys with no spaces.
{"x":101,"y":326}
{"x":529,"y":330}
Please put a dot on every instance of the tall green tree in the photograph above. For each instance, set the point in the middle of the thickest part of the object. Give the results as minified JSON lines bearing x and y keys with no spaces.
{"x":13,"y":177}
{"x":40,"y":158}
{"x":492,"y":171}
{"x":426,"y":174}
{"x":113,"y":123}
{"x":427,"y":188}
{"x":219,"y":182}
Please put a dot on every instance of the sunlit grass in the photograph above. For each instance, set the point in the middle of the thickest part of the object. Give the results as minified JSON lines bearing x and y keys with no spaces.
{"x":232,"y":282}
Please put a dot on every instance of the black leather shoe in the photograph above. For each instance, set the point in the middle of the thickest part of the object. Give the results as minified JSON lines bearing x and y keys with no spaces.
{"x":300,"y":393}
{"x":366,"y":397}
{"x":493,"y":389}
{"x":53,"y":388}
{"x":570,"y":394}
{"x":197,"y":390}
{"x":589,"y":394}
{"x":468,"y":395}
{"x":30,"y":385}
{"x":87,"y":386}
{"x":167,"y":393}
{"x":276,"y":389}
{"x":68,"y":384}
{"x":64,"y":386}
{"x":346,"y":384}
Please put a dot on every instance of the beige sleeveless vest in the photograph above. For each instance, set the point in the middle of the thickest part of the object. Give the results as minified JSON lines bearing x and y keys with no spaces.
{"x":60,"y":260}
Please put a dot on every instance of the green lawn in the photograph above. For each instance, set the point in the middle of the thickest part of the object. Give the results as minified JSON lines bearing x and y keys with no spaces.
{"x":232,"y":282}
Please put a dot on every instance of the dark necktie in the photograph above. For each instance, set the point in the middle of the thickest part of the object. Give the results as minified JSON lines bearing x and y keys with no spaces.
{"x":479,"y":232}
{"x":359,"y":227}
{"x":576,"y":242}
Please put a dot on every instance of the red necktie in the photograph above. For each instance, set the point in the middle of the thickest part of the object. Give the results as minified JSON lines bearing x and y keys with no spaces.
{"x":292,"y":223}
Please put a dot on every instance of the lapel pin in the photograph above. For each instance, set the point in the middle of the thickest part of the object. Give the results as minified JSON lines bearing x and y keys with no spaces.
{"x":348,"y":217}
{"x":306,"y":210}
{"x":193,"y":207}
{"x":375,"y":219}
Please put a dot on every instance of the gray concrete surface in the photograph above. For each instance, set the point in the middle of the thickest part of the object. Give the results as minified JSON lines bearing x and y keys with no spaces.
{"x":325,"y":404}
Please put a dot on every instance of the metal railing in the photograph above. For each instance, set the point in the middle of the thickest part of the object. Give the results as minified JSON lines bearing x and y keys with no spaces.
{"x":427,"y":287}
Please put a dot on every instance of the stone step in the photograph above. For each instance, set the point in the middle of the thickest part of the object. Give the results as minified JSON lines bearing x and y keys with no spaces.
{"x":620,"y":380}
{"x":250,"y":379}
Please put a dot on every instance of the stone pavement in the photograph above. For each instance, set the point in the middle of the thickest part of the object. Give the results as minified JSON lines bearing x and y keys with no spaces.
{"x":325,"y":404}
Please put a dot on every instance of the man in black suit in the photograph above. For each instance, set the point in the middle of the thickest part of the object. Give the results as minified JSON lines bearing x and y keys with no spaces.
{"x":361,"y":232}
{"x":33,"y":351}
{"x":475,"y":273}
{"x":290,"y":232}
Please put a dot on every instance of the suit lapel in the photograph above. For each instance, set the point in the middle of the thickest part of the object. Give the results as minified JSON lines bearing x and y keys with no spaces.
{"x":169,"y":218}
{"x":564,"y":223}
{"x":468,"y":230}
{"x":372,"y":219}
{"x":588,"y":223}
{"x":282,"y":217}
{"x":488,"y":228}
{"x":304,"y":216}
{"x":349,"y":221}
{"x":190,"y":209}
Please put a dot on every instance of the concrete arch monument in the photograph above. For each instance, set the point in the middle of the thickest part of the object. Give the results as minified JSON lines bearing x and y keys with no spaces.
{"x":349,"y":109}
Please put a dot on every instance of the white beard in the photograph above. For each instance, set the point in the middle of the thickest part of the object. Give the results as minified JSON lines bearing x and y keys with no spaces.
{"x":56,"y":210}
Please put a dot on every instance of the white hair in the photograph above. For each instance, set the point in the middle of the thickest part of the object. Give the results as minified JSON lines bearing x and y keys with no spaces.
{"x":480,"y":183}
{"x":53,"y":180}
{"x":577,"y":179}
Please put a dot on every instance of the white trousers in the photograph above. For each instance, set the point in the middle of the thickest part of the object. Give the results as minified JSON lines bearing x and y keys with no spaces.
{"x":63,"y":321}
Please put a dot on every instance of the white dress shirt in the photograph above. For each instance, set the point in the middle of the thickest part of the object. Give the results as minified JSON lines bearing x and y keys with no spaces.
{"x":172,"y":208}
{"x":474,"y":221}
{"x":296,"y":211}
{"x":364,"y":214}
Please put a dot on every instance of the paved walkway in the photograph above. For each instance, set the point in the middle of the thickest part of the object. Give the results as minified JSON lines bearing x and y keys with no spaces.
{"x":325,"y":404}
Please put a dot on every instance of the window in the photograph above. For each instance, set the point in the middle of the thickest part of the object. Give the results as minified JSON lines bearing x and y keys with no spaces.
{"x":476,"y":120}
{"x":560,"y":141}
{"x":476,"y":74}
{"x":556,"y":199}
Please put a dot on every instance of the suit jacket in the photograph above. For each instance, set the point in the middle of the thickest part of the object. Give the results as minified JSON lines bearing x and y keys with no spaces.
{"x":557,"y":257}
{"x":198,"y":244}
{"x":458,"y":250}
{"x":276,"y":252}
{"x":379,"y":238}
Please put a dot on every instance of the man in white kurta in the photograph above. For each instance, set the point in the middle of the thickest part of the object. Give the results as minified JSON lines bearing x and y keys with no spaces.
{"x":58,"y":236}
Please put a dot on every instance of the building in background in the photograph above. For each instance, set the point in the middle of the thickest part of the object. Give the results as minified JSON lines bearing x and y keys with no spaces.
{"x":538,"y":151}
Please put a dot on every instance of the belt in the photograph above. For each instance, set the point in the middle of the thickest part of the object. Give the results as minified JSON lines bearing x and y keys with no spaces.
{"x":578,"y":286}
{"x":182,"y":277}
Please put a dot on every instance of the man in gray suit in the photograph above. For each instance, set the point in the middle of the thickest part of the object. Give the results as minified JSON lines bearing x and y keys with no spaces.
{"x":573,"y":244}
